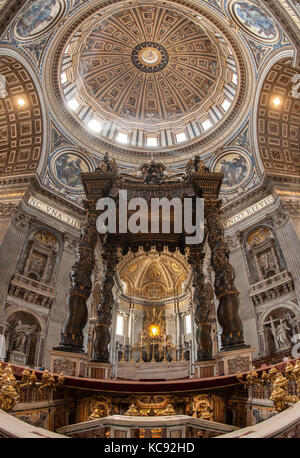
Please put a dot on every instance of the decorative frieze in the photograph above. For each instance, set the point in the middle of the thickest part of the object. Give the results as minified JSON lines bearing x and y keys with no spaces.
{"x":64,"y":365}
{"x":292,"y":206}
{"x":7,"y":209}
{"x":31,"y":291}
{"x":20,"y":220}
{"x":238,"y":364}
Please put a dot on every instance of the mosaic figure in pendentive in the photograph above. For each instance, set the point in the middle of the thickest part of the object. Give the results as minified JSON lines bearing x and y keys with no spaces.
{"x":68,"y":168}
{"x":235,"y":169}
{"x":255,"y":20}
{"x":38,"y":17}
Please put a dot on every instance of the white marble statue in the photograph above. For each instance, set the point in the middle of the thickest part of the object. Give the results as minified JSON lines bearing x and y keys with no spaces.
{"x":292,"y":322}
{"x":282,"y":335}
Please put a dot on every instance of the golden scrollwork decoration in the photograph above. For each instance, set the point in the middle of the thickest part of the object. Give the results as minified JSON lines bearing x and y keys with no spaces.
{"x":132,"y":411}
{"x":282,"y":386}
{"x":279,"y":395}
{"x":272,"y":374}
{"x":203,"y":408}
{"x":264,"y":378}
{"x":8,"y":389}
{"x":26,"y":380}
{"x":169,"y":410}
{"x":251,"y":379}
{"x":241,"y":380}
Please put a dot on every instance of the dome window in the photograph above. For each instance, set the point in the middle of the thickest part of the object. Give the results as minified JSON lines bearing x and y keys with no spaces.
{"x":207,"y":124}
{"x":181,"y":137}
{"x":120,"y":325}
{"x":73,"y":104}
{"x":152,"y":141}
{"x":122,"y":138}
{"x":63,"y":78}
{"x":225,"y":105}
{"x":94,"y":125}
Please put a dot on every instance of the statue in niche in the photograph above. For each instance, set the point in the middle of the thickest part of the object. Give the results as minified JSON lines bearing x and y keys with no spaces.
{"x":21,"y":332}
{"x":37,"y":262}
{"x":264,"y":254}
{"x":282,"y":334}
{"x":267,"y":263}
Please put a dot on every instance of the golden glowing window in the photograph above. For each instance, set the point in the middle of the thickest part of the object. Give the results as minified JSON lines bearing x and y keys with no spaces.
{"x":120,"y":325}
{"x":188,"y":324}
{"x":154,"y":330}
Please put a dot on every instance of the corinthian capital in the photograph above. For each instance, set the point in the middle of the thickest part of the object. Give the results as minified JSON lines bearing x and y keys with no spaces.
{"x":8,"y":209}
{"x":20,"y":220}
{"x":233,"y":241}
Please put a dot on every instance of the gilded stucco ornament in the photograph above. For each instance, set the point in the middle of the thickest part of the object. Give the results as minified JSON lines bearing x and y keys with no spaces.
{"x":132,"y":411}
{"x":280,"y":385}
{"x":11,"y":388}
{"x":280,"y":395}
{"x":9,"y":393}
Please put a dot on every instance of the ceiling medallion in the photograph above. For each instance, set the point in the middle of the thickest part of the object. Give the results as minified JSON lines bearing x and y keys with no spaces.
{"x":149,"y":57}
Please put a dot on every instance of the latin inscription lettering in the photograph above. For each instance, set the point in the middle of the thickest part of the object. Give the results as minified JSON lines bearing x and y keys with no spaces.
{"x":249,"y":211}
{"x":53,"y":212}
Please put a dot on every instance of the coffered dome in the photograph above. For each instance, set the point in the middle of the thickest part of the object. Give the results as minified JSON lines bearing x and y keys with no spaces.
{"x":136,"y":79}
{"x":153,"y":277}
{"x":147,"y":64}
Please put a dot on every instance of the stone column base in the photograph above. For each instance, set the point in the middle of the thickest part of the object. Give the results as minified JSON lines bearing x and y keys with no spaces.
{"x":205,"y":369}
{"x":99,"y":370}
{"x":235,"y":361}
{"x":17,"y":357}
{"x":73,"y":364}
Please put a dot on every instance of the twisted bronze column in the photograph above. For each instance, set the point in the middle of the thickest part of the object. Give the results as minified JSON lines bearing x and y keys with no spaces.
{"x":226,"y":292}
{"x":81,"y":286}
{"x":104,"y":312}
{"x":203,"y":338}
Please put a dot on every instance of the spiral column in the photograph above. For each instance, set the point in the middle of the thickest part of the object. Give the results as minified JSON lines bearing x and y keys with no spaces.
{"x":80,"y":285}
{"x":226,"y":292}
{"x":105,"y":307}
{"x":201,"y":314}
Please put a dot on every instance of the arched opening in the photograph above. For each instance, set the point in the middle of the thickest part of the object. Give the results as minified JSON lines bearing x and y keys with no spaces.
{"x":23,"y":339}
